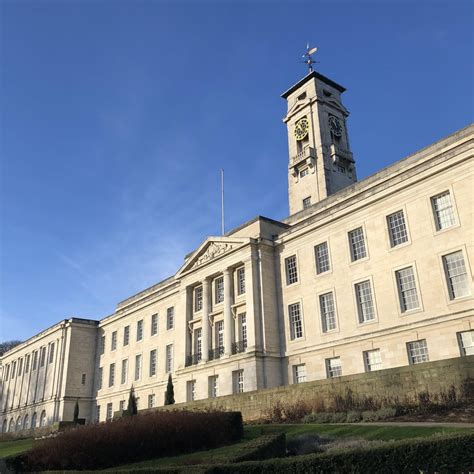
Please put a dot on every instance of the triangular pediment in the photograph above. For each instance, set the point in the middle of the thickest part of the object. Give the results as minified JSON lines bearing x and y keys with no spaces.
{"x":337,"y":105}
{"x":211,"y":249}
{"x":300,"y":104}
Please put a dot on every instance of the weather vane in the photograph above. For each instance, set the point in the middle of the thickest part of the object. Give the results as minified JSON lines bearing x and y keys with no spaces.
{"x":308,"y":57}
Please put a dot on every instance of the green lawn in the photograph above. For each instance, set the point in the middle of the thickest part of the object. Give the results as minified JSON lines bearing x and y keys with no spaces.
{"x":221,"y":455}
{"x":7,"y":448}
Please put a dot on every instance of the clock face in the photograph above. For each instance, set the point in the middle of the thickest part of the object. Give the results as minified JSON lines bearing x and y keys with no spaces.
{"x":335,"y":126}
{"x":301,"y":128}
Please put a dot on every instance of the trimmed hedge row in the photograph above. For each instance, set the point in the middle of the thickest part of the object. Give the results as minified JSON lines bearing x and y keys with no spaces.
{"x":132,"y":439}
{"x":263,"y":447}
{"x":443,"y":454}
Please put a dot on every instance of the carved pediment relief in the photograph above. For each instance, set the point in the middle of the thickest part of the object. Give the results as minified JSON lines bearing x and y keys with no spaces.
{"x":300,"y":104}
{"x":211,"y":249}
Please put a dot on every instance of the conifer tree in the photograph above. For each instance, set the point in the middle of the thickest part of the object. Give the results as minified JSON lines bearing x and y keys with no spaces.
{"x":132,"y":408}
{"x":76,"y":412}
{"x":169,"y":395}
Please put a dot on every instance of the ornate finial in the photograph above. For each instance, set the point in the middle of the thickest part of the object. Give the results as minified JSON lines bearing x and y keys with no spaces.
{"x":308,"y":57}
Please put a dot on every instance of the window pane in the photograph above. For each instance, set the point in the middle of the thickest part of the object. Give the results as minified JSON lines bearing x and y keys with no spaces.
{"x":373,"y":360}
{"x":170,"y":318}
{"x":407,"y":289}
{"x":198,"y":299}
{"x":219,"y":289}
{"x":241,"y":281}
{"x":365,"y":303}
{"x":333,"y":367}
{"x":456,"y":275}
{"x":291,"y":270}
{"x":300,"y":373}
{"x":397,"y":228}
{"x":328,"y":312}
{"x":357,"y":244}
{"x":466,"y":342}
{"x":154,"y":324}
{"x":418,"y":351}
{"x":443,"y":211}
{"x":296,"y":326}
{"x":322,"y":258}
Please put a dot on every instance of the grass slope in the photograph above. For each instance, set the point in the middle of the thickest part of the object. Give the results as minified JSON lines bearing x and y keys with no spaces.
{"x":7,"y":448}
{"x":222,"y":455}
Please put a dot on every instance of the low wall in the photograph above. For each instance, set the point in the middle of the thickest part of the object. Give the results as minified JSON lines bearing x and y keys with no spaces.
{"x":400,"y":382}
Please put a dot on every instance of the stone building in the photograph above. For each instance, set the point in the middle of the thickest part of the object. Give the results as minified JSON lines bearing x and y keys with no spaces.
{"x":362,"y":275}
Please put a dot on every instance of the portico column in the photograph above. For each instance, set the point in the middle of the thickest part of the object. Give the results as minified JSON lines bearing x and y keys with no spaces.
{"x":228,"y":321}
{"x":205,"y":320}
{"x":252,"y":290}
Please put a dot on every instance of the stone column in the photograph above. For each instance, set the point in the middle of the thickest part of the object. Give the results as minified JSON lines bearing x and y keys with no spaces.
{"x":252,"y":300}
{"x":189,"y":316}
{"x":228,"y":321}
{"x":205,"y":319}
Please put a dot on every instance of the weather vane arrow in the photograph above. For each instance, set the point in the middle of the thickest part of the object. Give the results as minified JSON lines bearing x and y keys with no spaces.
{"x":308,"y":59}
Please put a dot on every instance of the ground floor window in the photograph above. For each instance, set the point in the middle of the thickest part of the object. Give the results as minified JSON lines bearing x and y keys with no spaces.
{"x":417,"y":352}
{"x":214,"y":386}
{"x":333,"y":367}
{"x":372,"y":360}
{"x":466,"y":342}
{"x":238,"y":381}
{"x":299,"y":373}
{"x":109,"y":413}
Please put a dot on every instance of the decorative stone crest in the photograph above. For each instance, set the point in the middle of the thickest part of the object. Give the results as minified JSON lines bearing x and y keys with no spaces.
{"x":214,"y":250}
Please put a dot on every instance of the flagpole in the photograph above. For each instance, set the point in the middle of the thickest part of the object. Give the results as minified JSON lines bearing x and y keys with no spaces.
{"x":222,"y":202}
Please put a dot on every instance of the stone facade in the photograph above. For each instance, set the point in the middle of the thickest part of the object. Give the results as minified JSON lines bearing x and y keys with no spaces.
{"x":365,"y":276}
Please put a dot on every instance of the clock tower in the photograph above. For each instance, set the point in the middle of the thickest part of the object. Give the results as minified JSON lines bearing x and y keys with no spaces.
{"x":320,"y":160}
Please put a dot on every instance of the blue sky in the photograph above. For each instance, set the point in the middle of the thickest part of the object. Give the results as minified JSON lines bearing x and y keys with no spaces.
{"x":117,"y":116}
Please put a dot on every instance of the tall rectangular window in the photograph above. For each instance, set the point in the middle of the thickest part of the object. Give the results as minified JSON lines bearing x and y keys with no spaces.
{"x":97,"y":413}
{"x":299,"y":373}
{"x":397,"y":228}
{"x":113,"y":342}
{"x":109,"y":413}
{"x":102,"y":345}
{"x":140,"y":330}
{"x":372,"y":360}
{"x":191,"y":390}
{"x":333,"y":367}
{"x":111,"y":375}
{"x":43,"y":356}
{"x":357,"y":244}
{"x":213,"y":386}
{"x":13,"y":369}
{"x":99,"y":378}
{"x":51,"y":353}
{"x":296,"y":325}
{"x":151,"y":400}
{"x":126,"y":335}
{"x":365,"y":301}
{"x":243,"y":330}
{"x":219,"y":290}
{"x":197,"y":299}
{"x":153,"y":363}
{"x":20,"y":367}
{"x":169,"y":358}
{"x":27,"y":363}
{"x":219,"y":334}
{"x":124,"y":373}
{"x":238,"y":381}
{"x":170,"y":318}
{"x":198,"y":343}
{"x":456,"y":275}
{"x":241,"y":280}
{"x":417,"y":351}
{"x":443,"y":210}
{"x":321,"y":254}
{"x":154,"y":324}
{"x":407,"y":293}
{"x":35,"y":360}
{"x":466,"y":342}
{"x":138,"y":366}
{"x":122,"y":406}
{"x":291,"y":270}
{"x":328,"y":311}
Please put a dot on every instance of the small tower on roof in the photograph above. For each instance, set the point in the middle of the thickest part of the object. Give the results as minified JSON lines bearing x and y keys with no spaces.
{"x":320,"y":159}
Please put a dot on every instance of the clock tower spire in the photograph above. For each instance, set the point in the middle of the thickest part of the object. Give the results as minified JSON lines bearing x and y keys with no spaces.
{"x":320,"y":160}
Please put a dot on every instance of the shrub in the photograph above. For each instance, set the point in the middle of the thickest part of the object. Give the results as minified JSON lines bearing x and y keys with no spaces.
{"x":437,"y":454}
{"x":369,"y":415}
{"x":339,"y":418}
{"x":387,"y":412}
{"x":132,"y":439}
{"x":318,"y":418}
{"x":353,"y":416}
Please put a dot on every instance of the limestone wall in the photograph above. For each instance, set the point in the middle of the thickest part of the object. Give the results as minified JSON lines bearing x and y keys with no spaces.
{"x":398,"y":382}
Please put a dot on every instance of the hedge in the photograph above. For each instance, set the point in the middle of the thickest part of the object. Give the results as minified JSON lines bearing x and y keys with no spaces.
{"x":132,"y":439}
{"x":441,"y":454}
{"x":263,"y":447}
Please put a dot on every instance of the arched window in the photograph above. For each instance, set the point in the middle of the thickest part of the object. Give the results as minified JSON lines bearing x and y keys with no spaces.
{"x":25,"y":422}
{"x":11,"y":426}
{"x":4,"y":426}
{"x":43,"y":419}
{"x":33,"y":420}
{"x":18,"y":424}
